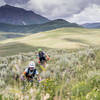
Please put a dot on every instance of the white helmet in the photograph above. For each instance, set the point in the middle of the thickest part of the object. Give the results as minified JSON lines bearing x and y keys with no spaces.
{"x":32,"y":64}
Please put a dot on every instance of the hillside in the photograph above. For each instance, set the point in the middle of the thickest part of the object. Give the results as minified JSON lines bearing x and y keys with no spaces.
{"x":9,"y":35}
{"x":13,"y":31}
{"x":19,"y":16}
{"x":59,"y":23}
{"x":72,"y":73}
{"x":63,"y":38}
{"x":68,"y":76}
{"x":92,"y":25}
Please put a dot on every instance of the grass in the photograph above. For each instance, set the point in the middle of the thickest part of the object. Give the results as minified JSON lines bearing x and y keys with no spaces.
{"x":14,"y":48}
{"x":72,"y":74}
{"x":8,"y":35}
{"x":64,"y":38}
{"x":69,"y":38}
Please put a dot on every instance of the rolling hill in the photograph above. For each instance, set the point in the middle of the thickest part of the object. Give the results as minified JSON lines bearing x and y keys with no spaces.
{"x":62,"y":38}
{"x":59,"y":23}
{"x":72,"y":74}
{"x":19,"y":16}
{"x":13,"y":31}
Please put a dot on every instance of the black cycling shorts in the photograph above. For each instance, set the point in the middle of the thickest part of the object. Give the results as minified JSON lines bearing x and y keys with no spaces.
{"x":42,"y":59}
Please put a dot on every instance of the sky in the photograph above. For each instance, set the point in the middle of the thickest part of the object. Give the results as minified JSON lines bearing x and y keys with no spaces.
{"x":78,"y":11}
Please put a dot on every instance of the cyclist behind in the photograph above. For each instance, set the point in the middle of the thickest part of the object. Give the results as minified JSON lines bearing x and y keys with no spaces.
{"x":43,"y":57}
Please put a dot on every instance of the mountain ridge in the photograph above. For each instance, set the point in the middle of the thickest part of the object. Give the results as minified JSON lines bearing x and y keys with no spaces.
{"x":19,"y":16}
{"x":58,"y":23}
{"x":92,"y":25}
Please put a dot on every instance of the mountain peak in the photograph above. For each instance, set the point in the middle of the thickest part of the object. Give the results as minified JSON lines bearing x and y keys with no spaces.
{"x":6,"y":6}
{"x":60,"y":20}
{"x":17,"y":16}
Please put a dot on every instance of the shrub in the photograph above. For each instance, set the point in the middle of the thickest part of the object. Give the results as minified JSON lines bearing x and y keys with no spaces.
{"x":93,"y":95}
{"x":81,"y":89}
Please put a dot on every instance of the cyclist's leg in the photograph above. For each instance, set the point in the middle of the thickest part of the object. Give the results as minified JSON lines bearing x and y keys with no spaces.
{"x":45,"y":62}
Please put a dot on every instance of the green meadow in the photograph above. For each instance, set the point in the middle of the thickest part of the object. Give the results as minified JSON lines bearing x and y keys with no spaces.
{"x":73,"y":72}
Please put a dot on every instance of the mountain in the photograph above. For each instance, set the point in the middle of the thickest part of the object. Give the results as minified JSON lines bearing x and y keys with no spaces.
{"x":59,"y":23}
{"x":19,"y":16}
{"x":91,"y":25}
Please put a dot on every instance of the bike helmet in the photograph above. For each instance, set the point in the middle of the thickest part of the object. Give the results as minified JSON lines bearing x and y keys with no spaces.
{"x":32,"y":64}
{"x":39,"y":49}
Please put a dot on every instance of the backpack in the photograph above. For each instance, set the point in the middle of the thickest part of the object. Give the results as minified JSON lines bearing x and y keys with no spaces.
{"x":34,"y":72}
{"x":41,"y":54}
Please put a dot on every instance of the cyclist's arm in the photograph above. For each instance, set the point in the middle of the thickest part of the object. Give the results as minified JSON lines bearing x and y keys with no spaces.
{"x":23,"y":76}
{"x":47,"y":56}
{"x":24,"y":73}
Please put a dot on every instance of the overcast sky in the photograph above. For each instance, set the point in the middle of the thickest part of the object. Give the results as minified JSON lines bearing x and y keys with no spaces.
{"x":79,"y":11}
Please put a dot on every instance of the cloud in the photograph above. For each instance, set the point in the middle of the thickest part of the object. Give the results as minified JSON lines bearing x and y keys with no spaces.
{"x":89,"y":15}
{"x":2,"y":2}
{"x":57,"y":8}
{"x":60,"y":8}
{"x":16,"y":1}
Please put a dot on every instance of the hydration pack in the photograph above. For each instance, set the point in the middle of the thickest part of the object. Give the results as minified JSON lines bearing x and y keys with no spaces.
{"x":33,"y":74}
{"x":41,"y":54}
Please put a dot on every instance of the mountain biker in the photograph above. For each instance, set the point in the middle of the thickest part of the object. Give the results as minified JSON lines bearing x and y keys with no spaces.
{"x":30,"y":72}
{"x":43,"y":57}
